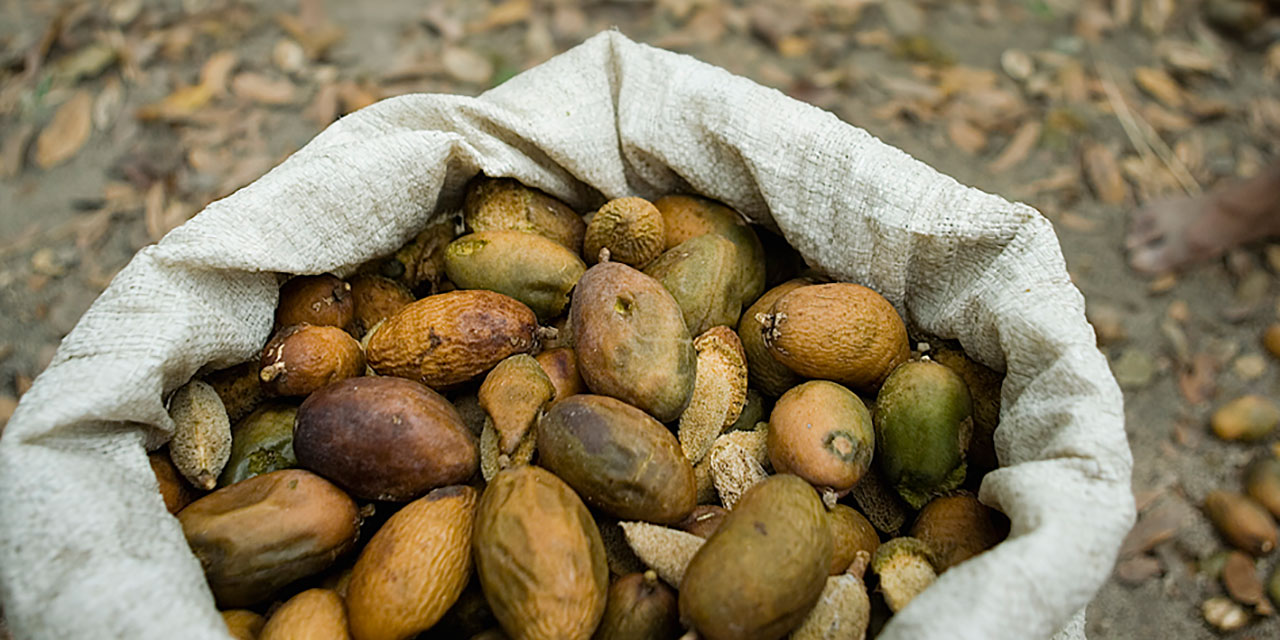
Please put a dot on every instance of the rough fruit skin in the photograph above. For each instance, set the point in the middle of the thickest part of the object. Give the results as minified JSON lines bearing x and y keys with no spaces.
{"x":415,"y":566}
{"x":449,"y":338}
{"x":314,"y":614}
{"x":302,"y":358}
{"x":904,"y":569}
{"x":957,"y":528}
{"x":201,"y":442}
{"x":821,"y":432}
{"x":539,"y":556}
{"x":758,"y":575}
{"x":766,"y":373}
{"x":503,"y":203}
{"x":631,"y":340}
{"x":320,"y":300}
{"x":618,"y":458}
{"x":701,"y":274}
{"x":530,"y":268}
{"x":261,"y":443}
{"x":839,"y":331}
{"x":639,"y":607}
{"x":384,"y":438}
{"x":374,"y":299}
{"x":256,"y":536}
{"x":923,"y":420}
{"x":719,"y":391}
{"x":687,"y":216}
{"x":843,"y":611}
{"x":630,"y":228}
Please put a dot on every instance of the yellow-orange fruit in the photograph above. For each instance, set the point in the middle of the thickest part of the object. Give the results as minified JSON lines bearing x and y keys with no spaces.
{"x":1247,"y":418}
{"x":823,"y":433}
{"x":958,"y":527}
{"x":1243,"y":522}
{"x":414,"y":567}
{"x":448,"y":338}
{"x":243,"y":624}
{"x":686,"y":216}
{"x":851,"y":532}
{"x":314,"y":614}
{"x":840,"y":331}
{"x":766,"y":373}
{"x":374,"y":299}
{"x":561,"y":367}
{"x":503,"y":203}
{"x":1271,"y":339}
{"x":630,"y":228}
{"x":303,"y":358}
{"x":539,"y":556}
{"x":320,"y":300}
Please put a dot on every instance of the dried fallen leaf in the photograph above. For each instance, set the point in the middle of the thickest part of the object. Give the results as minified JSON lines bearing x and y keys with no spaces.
{"x":967,"y":137}
{"x":217,"y":70}
{"x":962,"y":79}
{"x":1271,"y":68}
{"x":67,"y":132}
{"x":323,"y":109}
{"x":8,"y":404}
{"x":353,"y":96}
{"x":1017,"y":64}
{"x":1159,"y":524}
{"x":1156,"y":14}
{"x":179,"y":105}
{"x":87,"y":62}
{"x":14,"y":152}
{"x":1093,"y":21}
{"x":1137,"y":570}
{"x":1188,"y":57}
{"x":1160,"y":85}
{"x":1240,"y":577}
{"x":288,"y":56}
{"x":1103,"y":172}
{"x":1018,"y":149}
{"x":1164,"y":120}
{"x":1197,"y":382}
{"x":107,"y":106}
{"x":316,"y":36}
{"x":263,"y":89}
{"x":465,"y":65}
{"x":1122,"y":12}
{"x":1078,"y":223}
{"x":503,"y":14}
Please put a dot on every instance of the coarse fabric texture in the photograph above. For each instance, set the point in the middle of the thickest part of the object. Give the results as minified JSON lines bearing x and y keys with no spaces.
{"x":88,"y":550}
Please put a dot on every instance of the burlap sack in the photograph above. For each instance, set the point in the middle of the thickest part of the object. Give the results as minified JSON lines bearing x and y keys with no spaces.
{"x":87,"y":549}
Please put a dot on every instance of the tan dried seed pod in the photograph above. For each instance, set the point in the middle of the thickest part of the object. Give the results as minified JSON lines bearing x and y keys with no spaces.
{"x":314,"y":614}
{"x":843,"y":611}
{"x":630,"y":228}
{"x":734,"y":470}
{"x":667,"y":551}
{"x":879,"y":503}
{"x":514,"y":394}
{"x":201,"y":443}
{"x":493,"y":460}
{"x":904,"y":570}
{"x":719,"y":391}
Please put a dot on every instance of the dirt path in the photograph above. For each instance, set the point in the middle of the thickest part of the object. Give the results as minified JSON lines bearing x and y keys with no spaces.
{"x":119,"y":120}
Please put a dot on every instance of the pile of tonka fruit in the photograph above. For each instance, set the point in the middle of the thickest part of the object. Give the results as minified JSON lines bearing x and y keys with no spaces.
{"x":652,"y":421}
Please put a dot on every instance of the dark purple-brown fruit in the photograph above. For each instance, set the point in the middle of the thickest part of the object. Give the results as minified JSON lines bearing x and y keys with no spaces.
{"x":639,"y":607}
{"x":384,"y":438}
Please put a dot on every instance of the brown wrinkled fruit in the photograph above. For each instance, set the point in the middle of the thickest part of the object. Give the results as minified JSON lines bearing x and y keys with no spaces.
{"x":314,"y":614}
{"x":374,"y":299}
{"x":631,"y":341}
{"x":703,"y":520}
{"x":1243,"y":522}
{"x":415,"y":566}
{"x":766,"y":373}
{"x":539,"y":556}
{"x":384,"y":438}
{"x":513,"y":394}
{"x":239,"y":388}
{"x":419,"y":264}
{"x":851,"y":532}
{"x":561,"y":367}
{"x":503,"y":203}
{"x":173,"y":488}
{"x":639,"y":607}
{"x":618,"y":458}
{"x":823,"y":433}
{"x":841,"y":331}
{"x":451,"y":337}
{"x":256,"y":536}
{"x":958,"y":527}
{"x":630,"y":228}
{"x":322,"y":300}
{"x":302,"y":358}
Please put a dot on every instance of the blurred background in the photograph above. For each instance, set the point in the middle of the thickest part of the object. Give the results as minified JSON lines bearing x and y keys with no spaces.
{"x":120,"y":119}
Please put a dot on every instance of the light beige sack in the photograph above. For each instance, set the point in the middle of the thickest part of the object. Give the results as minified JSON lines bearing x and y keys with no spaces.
{"x":87,"y":549}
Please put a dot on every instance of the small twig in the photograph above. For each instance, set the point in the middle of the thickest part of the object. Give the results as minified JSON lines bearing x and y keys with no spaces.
{"x":1143,"y":136}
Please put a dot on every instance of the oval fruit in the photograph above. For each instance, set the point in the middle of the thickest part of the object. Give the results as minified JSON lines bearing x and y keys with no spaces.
{"x":923,"y":419}
{"x":839,"y":331}
{"x":1261,"y":481}
{"x":503,"y":203}
{"x":256,"y":536}
{"x":374,"y":299}
{"x":1243,"y":522}
{"x":765,"y":371}
{"x":201,"y":441}
{"x":702,"y":275}
{"x":448,"y":338}
{"x":630,"y":228}
{"x":384,"y":438}
{"x":302,"y":358}
{"x":958,"y":527}
{"x":314,"y":613}
{"x":851,"y":532}
{"x":631,"y":340}
{"x":1248,"y":418}
{"x":243,"y":624}
{"x":618,"y":458}
{"x":984,"y":388}
{"x":239,"y":388}
{"x":415,"y":566}
{"x":530,"y":268}
{"x":539,"y":556}
{"x":821,"y":432}
{"x":261,"y":443}
{"x":322,"y":300}
{"x":639,"y":607}
{"x":686,"y":216}
{"x":759,"y":574}
{"x":513,"y":395}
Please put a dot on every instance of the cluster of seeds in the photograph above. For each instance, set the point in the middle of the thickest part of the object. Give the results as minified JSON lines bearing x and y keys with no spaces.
{"x":482,"y":437}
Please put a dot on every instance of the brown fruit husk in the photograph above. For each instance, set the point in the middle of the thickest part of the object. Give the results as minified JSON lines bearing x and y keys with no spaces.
{"x":322,"y":300}
{"x":303,"y":358}
{"x":314,"y":613}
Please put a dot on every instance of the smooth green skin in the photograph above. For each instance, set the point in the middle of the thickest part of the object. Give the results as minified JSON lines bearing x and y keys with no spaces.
{"x":531,"y":268}
{"x":631,"y":340}
{"x":701,"y":274}
{"x":618,"y":458}
{"x":921,"y":434}
{"x":261,"y":443}
{"x":760,"y":573}
{"x":751,"y":260}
